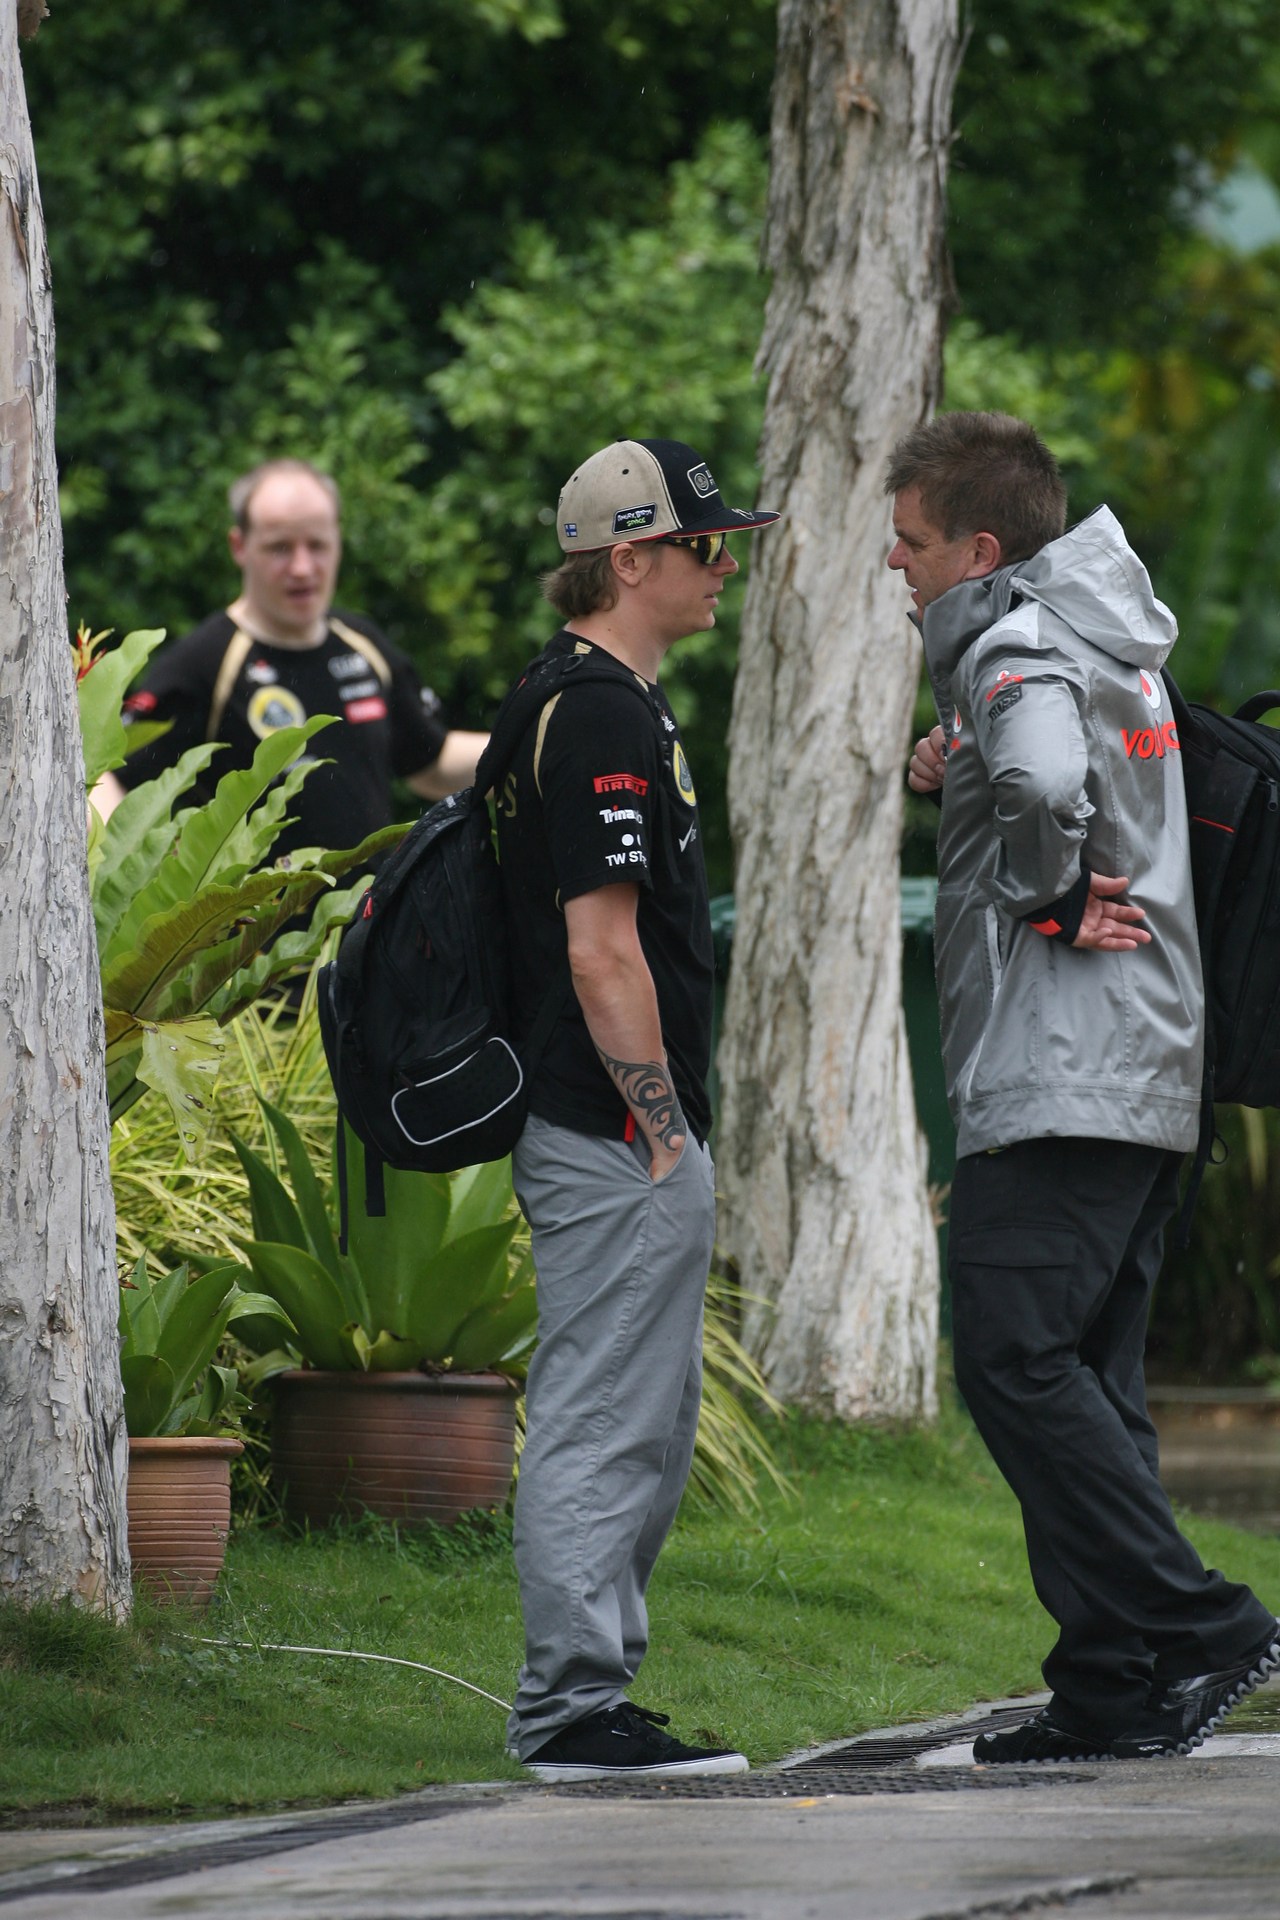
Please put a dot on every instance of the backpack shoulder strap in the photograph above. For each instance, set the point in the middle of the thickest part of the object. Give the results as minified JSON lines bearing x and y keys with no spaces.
{"x":1222,"y":787}
{"x":549,"y":676}
{"x":361,"y":643}
{"x":534,"y":695}
{"x":239,"y":647}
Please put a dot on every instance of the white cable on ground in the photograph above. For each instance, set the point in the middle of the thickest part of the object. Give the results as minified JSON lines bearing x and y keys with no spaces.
{"x":339,"y":1653}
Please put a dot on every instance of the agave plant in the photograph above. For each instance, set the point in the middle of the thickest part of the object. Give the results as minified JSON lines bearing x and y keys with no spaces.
{"x":170,"y":1331}
{"x":432,"y":1282}
{"x":187,"y":914}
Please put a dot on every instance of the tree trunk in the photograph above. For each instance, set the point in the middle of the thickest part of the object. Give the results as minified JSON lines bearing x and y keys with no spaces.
{"x":822,"y":1161}
{"x":63,"y":1449}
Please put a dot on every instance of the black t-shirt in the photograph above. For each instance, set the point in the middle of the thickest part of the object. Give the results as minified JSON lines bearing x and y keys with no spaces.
{"x":600,"y":792}
{"x":389,"y":723}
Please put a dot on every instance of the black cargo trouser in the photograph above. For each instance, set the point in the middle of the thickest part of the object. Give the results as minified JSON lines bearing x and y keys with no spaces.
{"x":1055,"y":1245}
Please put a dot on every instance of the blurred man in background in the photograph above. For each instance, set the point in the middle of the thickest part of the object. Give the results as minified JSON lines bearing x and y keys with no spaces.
{"x":280,"y":654}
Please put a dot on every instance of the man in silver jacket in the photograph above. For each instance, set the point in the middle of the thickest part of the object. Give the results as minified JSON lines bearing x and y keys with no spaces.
{"x":1072,"y":1024}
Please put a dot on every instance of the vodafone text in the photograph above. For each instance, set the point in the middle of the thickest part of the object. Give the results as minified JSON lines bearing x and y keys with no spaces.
{"x":1150,"y":742}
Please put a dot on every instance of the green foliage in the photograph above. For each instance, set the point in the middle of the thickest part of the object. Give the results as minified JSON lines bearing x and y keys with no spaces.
{"x":173,"y":1208}
{"x":1186,"y":438}
{"x":69,"y":1643}
{"x":170,"y":1331}
{"x":435,"y":1282}
{"x":241,"y":198}
{"x":188,"y":919}
{"x":732,"y":1454}
{"x":1083,"y":136}
{"x":993,"y":372}
{"x":1217,"y":1304}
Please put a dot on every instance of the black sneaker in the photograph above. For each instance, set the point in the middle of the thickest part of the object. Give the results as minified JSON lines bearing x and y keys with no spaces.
{"x":1184,"y":1712}
{"x":1038,"y":1742}
{"x":626,"y":1742}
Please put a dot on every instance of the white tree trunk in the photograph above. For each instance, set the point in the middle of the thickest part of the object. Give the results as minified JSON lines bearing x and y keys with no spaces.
{"x":822,"y":1162}
{"x":63,"y":1449}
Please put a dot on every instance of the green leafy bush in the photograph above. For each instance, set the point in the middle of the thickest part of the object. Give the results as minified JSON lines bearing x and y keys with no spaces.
{"x":188,"y":916}
{"x":175,"y":1208}
{"x":169,"y":1334}
{"x":432,"y":1282}
{"x":1216,"y":1313}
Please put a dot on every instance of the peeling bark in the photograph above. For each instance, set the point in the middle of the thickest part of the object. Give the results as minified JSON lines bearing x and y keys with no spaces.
{"x":822,"y":1162}
{"x":63,"y":1448}
{"x":30,"y":14}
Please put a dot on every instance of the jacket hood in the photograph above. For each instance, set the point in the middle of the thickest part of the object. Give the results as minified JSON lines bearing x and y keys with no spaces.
{"x":1090,"y":578}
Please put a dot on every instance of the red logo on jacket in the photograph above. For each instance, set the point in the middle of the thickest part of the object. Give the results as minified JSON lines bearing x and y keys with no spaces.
{"x":620,"y":783}
{"x":1151,"y":743}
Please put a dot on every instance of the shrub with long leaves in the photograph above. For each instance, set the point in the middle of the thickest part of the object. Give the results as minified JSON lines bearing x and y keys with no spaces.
{"x":432,"y":1281}
{"x":189,"y":916}
{"x":170,"y":1331}
{"x":173,"y":1208}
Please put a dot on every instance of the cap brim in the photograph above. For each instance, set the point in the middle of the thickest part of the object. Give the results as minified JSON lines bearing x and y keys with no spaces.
{"x":723,"y":520}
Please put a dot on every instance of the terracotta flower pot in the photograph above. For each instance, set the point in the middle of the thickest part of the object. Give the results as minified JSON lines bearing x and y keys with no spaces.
{"x":411,"y":1447}
{"x":180,"y":1514}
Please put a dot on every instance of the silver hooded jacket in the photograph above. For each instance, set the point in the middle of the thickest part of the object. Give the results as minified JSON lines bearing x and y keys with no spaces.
{"x":1062,"y":749}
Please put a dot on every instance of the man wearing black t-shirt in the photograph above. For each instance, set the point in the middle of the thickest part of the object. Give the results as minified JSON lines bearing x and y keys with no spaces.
{"x":599,"y":843}
{"x":279,"y":655}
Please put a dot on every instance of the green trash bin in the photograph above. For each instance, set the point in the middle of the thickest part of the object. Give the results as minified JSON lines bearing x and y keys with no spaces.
{"x":920,"y":1005}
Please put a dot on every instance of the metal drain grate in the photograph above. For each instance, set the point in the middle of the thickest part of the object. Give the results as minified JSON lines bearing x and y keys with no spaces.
{"x":813,"y":1784}
{"x":899,"y":1749}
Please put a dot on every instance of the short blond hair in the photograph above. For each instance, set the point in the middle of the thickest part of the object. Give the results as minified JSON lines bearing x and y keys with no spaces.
{"x":240,"y":493}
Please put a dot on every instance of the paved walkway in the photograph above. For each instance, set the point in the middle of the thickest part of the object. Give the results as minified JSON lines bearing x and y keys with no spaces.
{"x":920,"y":1836}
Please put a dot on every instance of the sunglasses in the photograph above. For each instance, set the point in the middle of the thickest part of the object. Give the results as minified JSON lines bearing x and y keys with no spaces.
{"x":708,"y":547}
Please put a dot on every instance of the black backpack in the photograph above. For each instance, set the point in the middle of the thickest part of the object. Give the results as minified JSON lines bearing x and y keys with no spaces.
{"x":1231,"y":768}
{"x":414,"y":1010}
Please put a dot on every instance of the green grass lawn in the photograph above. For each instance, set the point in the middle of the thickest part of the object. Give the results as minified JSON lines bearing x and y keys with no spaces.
{"x":893,"y":1588}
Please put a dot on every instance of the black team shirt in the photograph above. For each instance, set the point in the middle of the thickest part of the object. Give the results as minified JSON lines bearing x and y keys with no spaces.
{"x":383,"y":730}
{"x":600,"y":792}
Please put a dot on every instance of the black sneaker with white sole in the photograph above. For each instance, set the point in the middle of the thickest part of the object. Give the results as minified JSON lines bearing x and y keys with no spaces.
{"x":626,"y":1742}
{"x":1039,"y":1742}
{"x":1183,"y":1713}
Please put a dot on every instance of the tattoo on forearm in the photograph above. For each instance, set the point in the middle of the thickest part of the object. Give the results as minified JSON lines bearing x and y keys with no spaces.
{"x":647,"y":1088}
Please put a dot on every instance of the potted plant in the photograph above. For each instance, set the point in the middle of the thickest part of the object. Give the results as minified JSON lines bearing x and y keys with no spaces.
{"x":396,"y":1390}
{"x":181,"y":1410}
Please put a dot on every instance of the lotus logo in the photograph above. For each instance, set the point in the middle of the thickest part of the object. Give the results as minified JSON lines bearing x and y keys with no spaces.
{"x":700,"y":480}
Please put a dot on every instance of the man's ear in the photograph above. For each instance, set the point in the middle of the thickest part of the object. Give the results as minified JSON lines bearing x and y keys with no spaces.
{"x":631,"y":561}
{"x":235,"y":540}
{"x":987,"y":555}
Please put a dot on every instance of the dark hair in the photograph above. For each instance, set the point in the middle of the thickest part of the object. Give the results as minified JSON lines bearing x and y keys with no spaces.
{"x":240,"y":493}
{"x":583,"y":583}
{"x":983,"y":473}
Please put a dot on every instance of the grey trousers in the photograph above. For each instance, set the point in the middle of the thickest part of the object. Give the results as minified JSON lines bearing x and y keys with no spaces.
{"x":611,"y":1405}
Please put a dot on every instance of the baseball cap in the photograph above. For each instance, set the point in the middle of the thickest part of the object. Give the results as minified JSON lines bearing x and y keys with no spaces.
{"x":640,"y":490}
